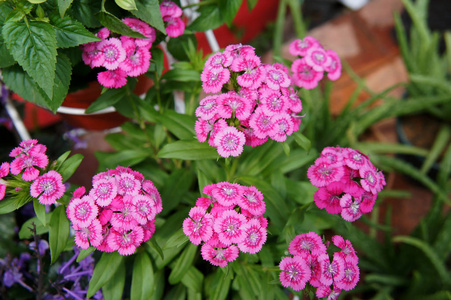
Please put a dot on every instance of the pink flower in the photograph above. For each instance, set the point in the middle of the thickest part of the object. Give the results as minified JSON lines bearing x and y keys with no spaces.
{"x":202,"y":129}
{"x":137,"y":60}
{"x":28,"y":147}
{"x":199,"y":226}
{"x":283,"y":126}
{"x":112,"y":79}
{"x":232,"y":104}
{"x":331,"y":271}
{"x":272,"y":102}
{"x":219,"y":256}
{"x":354,"y":159}
{"x":350,"y":278}
{"x":333,"y":154}
{"x":307,"y":243}
{"x":294,"y":103}
{"x":219,"y":126}
{"x":299,"y":47}
{"x":350,"y":208}
{"x":144,"y":29}
{"x":207,"y":108}
{"x":229,"y":227}
{"x":227,"y":194}
{"x":174,"y":26}
{"x":218,"y":60}
{"x":104,"y":191}
{"x":82,"y":211}
{"x":276,"y":78}
{"x":333,"y":69}
{"x":251,"y":139}
{"x":346,"y":248}
{"x":254,"y":237}
{"x":127,"y":184}
{"x":323,"y":172}
{"x":103,"y":33}
{"x":325,"y":291}
{"x":367,"y":202}
{"x":125,"y":242}
{"x":153,"y":193}
{"x":92,"y":234}
{"x":317,"y":58}
{"x":370,"y":179}
{"x":295,"y":272}
{"x":253,"y":75}
{"x":4,"y":171}
{"x":261,"y":123}
{"x":304,"y":75}
{"x":125,"y":217}
{"x":112,"y":51}
{"x":27,"y":162}
{"x":169,"y":8}
{"x":48,"y":187}
{"x":252,"y":201}
{"x":213,"y":79}
{"x":230,"y":142}
{"x":144,"y":208}
{"x":91,"y":55}
{"x":328,"y":197}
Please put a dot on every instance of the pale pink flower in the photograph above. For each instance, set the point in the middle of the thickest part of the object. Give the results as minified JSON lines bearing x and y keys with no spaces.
{"x":199,"y":226}
{"x":219,"y":126}
{"x":282,"y":127}
{"x":254,"y":237}
{"x":295,"y":273}
{"x":91,"y":234}
{"x":27,"y":162}
{"x":370,"y":179}
{"x":174,"y":26}
{"x":304,"y":75}
{"x":127,"y":184}
{"x":219,"y":256}
{"x":299,"y":47}
{"x":207,"y":108}
{"x":213,"y":79}
{"x":112,"y":51}
{"x":4,"y":171}
{"x":328,"y":197}
{"x":169,"y":8}
{"x":125,"y":217}
{"x":307,"y":243}
{"x":229,"y":227}
{"x":229,"y":142}
{"x":272,"y":102}
{"x":48,"y":187}
{"x":324,"y":172}
{"x":202,"y":129}
{"x":294,"y":102}
{"x":125,"y":242}
{"x":253,"y":76}
{"x":218,"y":60}
{"x":317,"y":58}
{"x":232,"y":104}
{"x":331,"y":271}
{"x":104,"y":191}
{"x":137,"y":60}
{"x":82,"y":211}
{"x":276,"y":78}
{"x":333,"y":69}
{"x":350,"y":278}
{"x":112,"y":79}
{"x":144,"y":209}
{"x":252,"y":201}
{"x":227,"y":194}
{"x":350,"y":208}
{"x":261,"y":123}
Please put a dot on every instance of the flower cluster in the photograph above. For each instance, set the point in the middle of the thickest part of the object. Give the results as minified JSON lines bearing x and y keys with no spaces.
{"x":118,"y":213}
{"x":251,"y":103}
{"x":313,"y":61}
{"x":311,"y":264}
{"x":229,"y":221}
{"x":126,"y":56}
{"x":30,"y":160}
{"x":348,"y":182}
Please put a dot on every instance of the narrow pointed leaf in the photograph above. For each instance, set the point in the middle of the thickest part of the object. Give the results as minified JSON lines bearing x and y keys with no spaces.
{"x":143,"y":277}
{"x":59,"y":232}
{"x":183,"y":263}
{"x":114,"y":24}
{"x":188,"y":150}
{"x":114,"y":288}
{"x":39,"y":210}
{"x":104,"y":270}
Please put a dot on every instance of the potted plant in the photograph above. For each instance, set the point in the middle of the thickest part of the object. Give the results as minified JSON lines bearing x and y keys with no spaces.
{"x":426,"y":55}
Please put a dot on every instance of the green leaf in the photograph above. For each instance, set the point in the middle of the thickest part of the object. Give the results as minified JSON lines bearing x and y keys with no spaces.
{"x":229,"y":8}
{"x":69,"y":166}
{"x":193,"y":279}
{"x":71,"y":33}
{"x":6,"y":59}
{"x":251,"y":4}
{"x":152,"y":243}
{"x":210,"y":18}
{"x":59,"y":232}
{"x":84,"y":253}
{"x":126,"y":4}
{"x":8,"y":205}
{"x":302,"y":141}
{"x":25,"y":231}
{"x":109,"y":98}
{"x":182,"y":75}
{"x":149,"y":11}
{"x":182,"y":179}
{"x":440,"y":143}
{"x":177,"y":46}
{"x":143,"y":277}
{"x":85,"y":10}
{"x":62,"y":81}
{"x":33,"y":46}
{"x":181,"y":125}
{"x":104,"y":270}
{"x":221,"y":285}
{"x":176,"y":240}
{"x":123,"y":158}
{"x":183,"y":263}
{"x":188,"y":150}
{"x":116,"y":25}
{"x":39,"y":210}
{"x":114,"y":288}
{"x":63,"y":5}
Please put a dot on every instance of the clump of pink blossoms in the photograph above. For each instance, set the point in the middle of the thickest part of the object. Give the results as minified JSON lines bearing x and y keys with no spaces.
{"x":124,"y":56}
{"x":312,"y":62}
{"x":311,"y":264}
{"x":231,"y":220}
{"x":118,"y":213}
{"x":251,"y":102}
{"x":347,"y":180}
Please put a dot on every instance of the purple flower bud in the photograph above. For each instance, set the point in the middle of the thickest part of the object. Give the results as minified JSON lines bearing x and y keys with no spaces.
{"x":42,"y":247}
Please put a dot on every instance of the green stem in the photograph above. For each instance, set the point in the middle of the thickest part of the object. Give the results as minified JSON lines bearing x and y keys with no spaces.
{"x":296,"y":13}
{"x":157,"y":88}
{"x":278,"y":32}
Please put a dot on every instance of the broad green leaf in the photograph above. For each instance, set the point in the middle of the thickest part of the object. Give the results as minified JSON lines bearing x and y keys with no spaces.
{"x":69,"y":166}
{"x":8,"y":205}
{"x":193,"y":279}
{"x":114,"y":24}
{"x":71,"y":33}
{"x":104,"y":270}
{"x":33,"y":46}
{"x":6,"y":59}
{"x":183,"y":263}
{"x":126,"y":4}
{"x":210,"y":18}
{"x":182,"y":179}
{"x":142,"y":278}
{"x":176,"y":240}
{"x":62,"y":81}
{"x":84,"y":253}
{"x":37,"y":1}
{"x":152,"y":243}
{"x":188,"y":150}
{"x":251,"y":280}
{"x":221,"y":285}
{"x":26,"y":229}
{"x":39,"y":210}
{"x":85,"y":10}
{"x":123,"y":158}
{"x":114,"y":288}
{"x":229,"y":8}
{"x":63,"y":5}
{"x":182,"y":126}
{"x":59,"y":232}
{"x":302,"y":141}
{"x":109,"y":98}
{"x":149,"y":11}
{"x":182,"y":75}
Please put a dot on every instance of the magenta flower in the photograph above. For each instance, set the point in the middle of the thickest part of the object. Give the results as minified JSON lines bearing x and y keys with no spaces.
{"x":137,"y":60}
{"x":346,"y":248}
{"x":252,"y":201}
{"x":144,"y":29}
{"x":82,"y":211}
{"x":112,"y":79}
{"x":283,"y":126}
{"x":272,"y":102}
{"x":333,"y":69}
{"x":323,"y":172}
{"x":229,"y":227}
{"x":213,"y":79}
{"x":232,"y":104}
{"x":4,"y":171}
{"x":127,"y":184}
{"x":261,"y":123}
{"x":48,"y":187}
{"x":299,"y":47}
{"x":169,"y":8}
{"x":219,"y":126}
{"x":207,"y":108}
{"x":304,"y":75}
{"x":328,"y":197}
{"x":202,"y":129}
{"x":254,"y":237}
{"x":276,"y":78}
{"x":199,"y":226}
{"x":218,"y":60}
{"x":28,"y":147}
{"x":174,"y":26}
{"x":124,"y":217}
{"x":90,"y":235}
{"x":219,"y":256}
{"x":91,"y":55}
{"x":104,"y":191}
{"x":125,"y":242}
{"x":331,"y":271}
{"x":112,"y":51}
{"x":370,"y":179}
{"x":294,"y":102}
{"x":27,"y":162}
{"x":350,"y":208}
{"x":144,"y":209}
{"x":295,"y":273}
{"x":307,"y":243}
{"x":230,"y":142}
{"x":325,"y":291}
{"x":253,"y":75}
{"x":350,"y":278}
{"x":227,"y":194}
{"x":317,"y":58}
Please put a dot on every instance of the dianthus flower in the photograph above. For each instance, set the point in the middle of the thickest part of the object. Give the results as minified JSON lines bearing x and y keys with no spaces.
{"x":226,"y":222}
{"x":252,"y":100}
{"x":310,"y":264}
{"x":117,"y":214}
{"x":4,"y":171}
{"x":48,"y":187}
{"x":347,"y":180}
{"x":28,"y":155}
